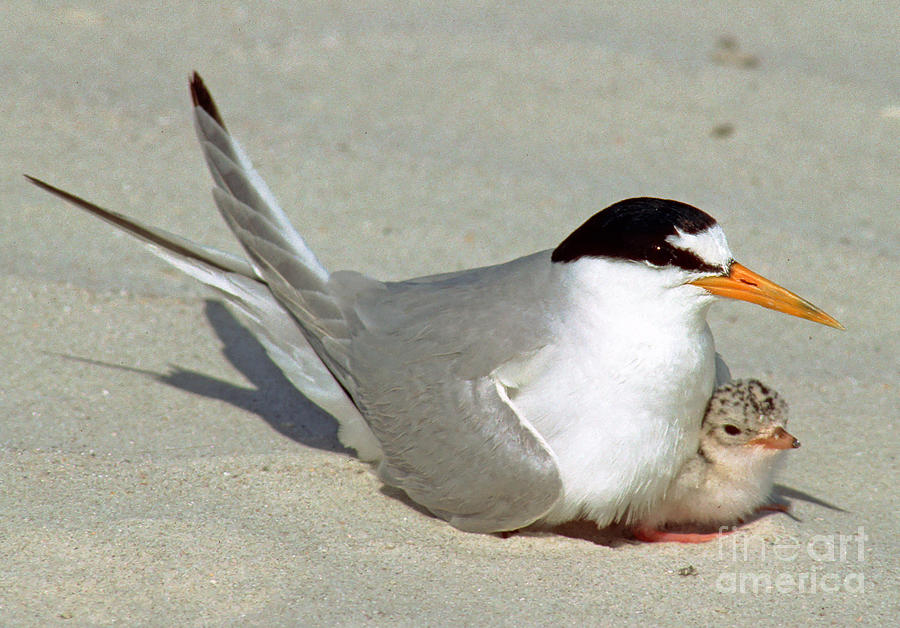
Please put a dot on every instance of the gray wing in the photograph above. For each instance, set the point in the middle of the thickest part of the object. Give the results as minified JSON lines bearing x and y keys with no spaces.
{"x":424,"y":362}
{"x":723,"y":373}
{"x":459,"y":449}
{"x":278,"y":253}
{"x":451,"y":437}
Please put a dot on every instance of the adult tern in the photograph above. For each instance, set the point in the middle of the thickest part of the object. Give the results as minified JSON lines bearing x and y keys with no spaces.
{"x":567,"y":383}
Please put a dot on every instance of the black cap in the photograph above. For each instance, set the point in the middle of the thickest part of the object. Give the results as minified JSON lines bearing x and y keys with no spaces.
{"x":636,"y":230}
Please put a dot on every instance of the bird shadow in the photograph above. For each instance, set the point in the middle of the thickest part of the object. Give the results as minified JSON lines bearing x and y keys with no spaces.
{"x":272,"y":397}
{"x":612,"y":536}
{"x":786,"y":492}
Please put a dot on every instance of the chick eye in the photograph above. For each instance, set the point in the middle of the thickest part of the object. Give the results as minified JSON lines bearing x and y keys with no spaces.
{"x":732,"y":430}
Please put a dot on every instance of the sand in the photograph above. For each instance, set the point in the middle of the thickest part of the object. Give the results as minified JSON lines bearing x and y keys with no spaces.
{"x":156,"y":469}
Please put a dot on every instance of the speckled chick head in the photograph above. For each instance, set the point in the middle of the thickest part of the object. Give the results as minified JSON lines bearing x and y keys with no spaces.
{"x":741,"y":410}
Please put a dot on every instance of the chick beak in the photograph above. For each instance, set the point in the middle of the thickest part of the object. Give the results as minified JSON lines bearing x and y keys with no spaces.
{"x":778,"y":439}
{"x":743,"y":284}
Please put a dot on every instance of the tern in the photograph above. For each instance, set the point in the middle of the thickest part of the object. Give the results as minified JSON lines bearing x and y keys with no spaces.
{"x":567,"y":383}
{"x":743,"y":442}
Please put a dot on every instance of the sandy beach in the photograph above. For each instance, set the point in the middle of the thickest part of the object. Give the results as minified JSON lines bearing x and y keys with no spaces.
{"x":157,"y":469}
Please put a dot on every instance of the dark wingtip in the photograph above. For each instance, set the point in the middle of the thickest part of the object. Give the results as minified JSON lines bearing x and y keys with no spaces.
{"x":159,"y":238}
{"x":201,"y":97}
{"x":41,"y":184}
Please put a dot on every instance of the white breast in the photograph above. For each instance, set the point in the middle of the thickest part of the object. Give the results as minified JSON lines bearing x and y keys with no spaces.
{"x":620,"y":393}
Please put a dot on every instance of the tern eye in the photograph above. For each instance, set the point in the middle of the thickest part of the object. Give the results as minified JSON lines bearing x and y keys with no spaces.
{"x":732,"y":430}
{"x":658,"y":255}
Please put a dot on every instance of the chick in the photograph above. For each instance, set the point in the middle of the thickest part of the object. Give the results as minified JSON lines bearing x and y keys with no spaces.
{"x":742,"y":444}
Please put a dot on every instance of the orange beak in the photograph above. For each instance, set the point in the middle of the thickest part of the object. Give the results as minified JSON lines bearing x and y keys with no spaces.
{"x":743,"y":284}
{"x":779,"y":439}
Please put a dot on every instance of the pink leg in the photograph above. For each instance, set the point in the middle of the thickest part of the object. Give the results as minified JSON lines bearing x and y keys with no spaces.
{"x":652,"y":535}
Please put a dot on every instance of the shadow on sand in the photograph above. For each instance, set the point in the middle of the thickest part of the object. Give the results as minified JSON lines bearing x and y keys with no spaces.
{"x":273,"y":398}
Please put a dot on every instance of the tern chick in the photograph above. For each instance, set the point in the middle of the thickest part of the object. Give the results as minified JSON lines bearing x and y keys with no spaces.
{"x":743,"y":442}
